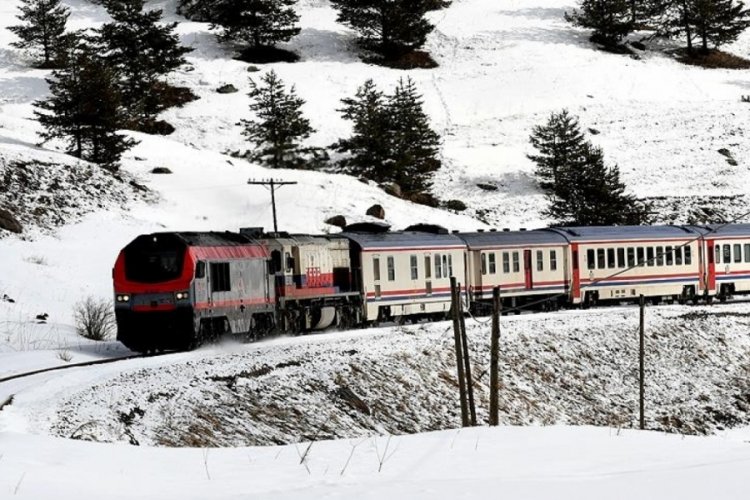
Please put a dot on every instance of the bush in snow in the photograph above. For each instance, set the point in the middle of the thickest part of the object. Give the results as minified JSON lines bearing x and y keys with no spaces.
{"x":94,"y":318}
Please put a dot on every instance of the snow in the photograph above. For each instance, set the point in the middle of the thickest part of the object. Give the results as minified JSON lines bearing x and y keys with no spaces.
{"x":504,"y":67}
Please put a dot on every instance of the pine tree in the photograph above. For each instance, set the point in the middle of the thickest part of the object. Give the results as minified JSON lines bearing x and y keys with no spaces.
{"x":85,"y":110}
{"x":142,"y":50}
{"x":560,"y":143}
{"x":392,"y":140}
{"x":580,"y":188}
{"x":712,"y":22}
{"x":611,"y":20}
{"x":369,"y":146}
{"x":43,"y":29}
{"x":719,"y":22}
{"x":278,"y":126}
{"x":414,"y":145}
{"x":390,"y":28}
{"x":258,"y":23}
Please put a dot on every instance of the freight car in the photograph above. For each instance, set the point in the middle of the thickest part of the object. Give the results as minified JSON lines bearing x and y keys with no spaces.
{"x":176,"y":290}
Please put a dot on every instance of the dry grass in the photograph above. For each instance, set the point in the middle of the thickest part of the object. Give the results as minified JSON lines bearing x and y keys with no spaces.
{"x":713,"y":59}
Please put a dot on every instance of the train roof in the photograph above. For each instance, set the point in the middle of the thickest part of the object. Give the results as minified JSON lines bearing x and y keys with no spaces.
{"x":211,"y":238}
{"x":720,"y":230}
{"x":512,"y":238}
{"x":404,"y":239}
{"x":609,"y":233}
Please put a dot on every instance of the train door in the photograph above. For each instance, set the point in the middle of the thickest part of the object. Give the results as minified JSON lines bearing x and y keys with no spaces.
{"x":527,"y":270}
{"x":711,"y":272}
{"x":575,"y":266}
{"x":427,"y":274}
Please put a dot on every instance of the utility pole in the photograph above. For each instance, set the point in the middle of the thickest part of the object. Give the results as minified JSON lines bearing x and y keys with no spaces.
{"x":494,"y":355}
{"x":467,"y":360}
{"x":641,"y":356}
{"x":272,"y":184}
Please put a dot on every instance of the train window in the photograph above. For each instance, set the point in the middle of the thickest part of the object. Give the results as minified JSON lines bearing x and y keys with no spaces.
{"x":449,"y":265}
{"x":631,"y":257}
{"x":688,"y":256}
{"x":539,"y":260}
{"x":200,"y":270}
{"x":640,"y":255}
{"x":669,"y":255}
{"x":590,"y":260}
{"x":427,"y":267}
{"x":414,"y":267}
{"x":677,"y":256}
{"x":737,"y":252}
{"x":220,"y":281}
{"x":438,"y":266}
{"x":747,"y":252}
{"x":659,"y":256}
{"x":717,"y":251}
{"x":483,"y":259}
{"x":376,"y":268}
{"x":516,"y":266}
{"x":600,"y":264}
{"x":493,"y":263}
{"x":391,"y":269}
{"x":650,"y":256}
{"x":553,"y":260}
{"x":611,"y":258}
{"x":727,"y":254}
{"x":506,"y":262}
{"x":621,"y":258}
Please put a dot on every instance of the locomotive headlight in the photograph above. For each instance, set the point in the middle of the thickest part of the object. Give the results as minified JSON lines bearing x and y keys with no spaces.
{"x":123,"y":298}
{"x":182,"y":295}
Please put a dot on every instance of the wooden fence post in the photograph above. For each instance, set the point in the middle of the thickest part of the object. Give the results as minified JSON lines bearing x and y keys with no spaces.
{"x":455,"y":304}
{"x":494,"y":355}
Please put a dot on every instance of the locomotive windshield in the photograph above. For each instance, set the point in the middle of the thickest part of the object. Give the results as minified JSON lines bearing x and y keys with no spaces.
{"x":154,"y":259}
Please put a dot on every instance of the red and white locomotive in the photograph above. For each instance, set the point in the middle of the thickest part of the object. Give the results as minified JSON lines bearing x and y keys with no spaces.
{"x":176,"y":290}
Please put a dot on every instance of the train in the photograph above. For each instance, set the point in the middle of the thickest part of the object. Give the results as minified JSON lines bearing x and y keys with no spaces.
{"x":177,"y":290}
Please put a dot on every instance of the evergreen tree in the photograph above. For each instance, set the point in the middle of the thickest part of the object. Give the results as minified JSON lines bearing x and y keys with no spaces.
{"x":560,"y":144}
{"x":580,"y":188}
{"x":279,"y":125}
{"x":414,"y":145}
{"x":392,"y":140}
{"x":85,"y":110}
{"x":611,"y":20}
{"x":390,"y":28}
{"x":719,"y":22}
{"x":369,"y":146}
{"x":712,"y":22}
{"x":258,"y":23}
{"x":43,"y":29}
{"x":142,"y":50}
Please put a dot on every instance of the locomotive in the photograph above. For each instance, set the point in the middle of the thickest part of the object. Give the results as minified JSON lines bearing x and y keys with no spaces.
{"x":176,"y":290}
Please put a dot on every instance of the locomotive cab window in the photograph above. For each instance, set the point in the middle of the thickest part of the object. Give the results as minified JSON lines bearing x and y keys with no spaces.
{"x":200,"y":270}
{"x":220,"y":281}
{"x":275,"y":261}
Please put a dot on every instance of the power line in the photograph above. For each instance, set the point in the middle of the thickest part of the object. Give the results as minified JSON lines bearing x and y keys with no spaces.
{"x":272,"y":184}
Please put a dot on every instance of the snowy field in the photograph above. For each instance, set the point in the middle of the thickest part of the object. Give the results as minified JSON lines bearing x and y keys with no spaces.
{"x":505,"y":65}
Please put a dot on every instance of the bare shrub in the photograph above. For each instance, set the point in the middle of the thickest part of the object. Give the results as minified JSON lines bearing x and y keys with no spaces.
{"x":94,"y":318}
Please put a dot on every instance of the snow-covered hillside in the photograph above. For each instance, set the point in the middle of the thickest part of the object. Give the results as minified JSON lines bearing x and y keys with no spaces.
{"x":504,"y":66}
